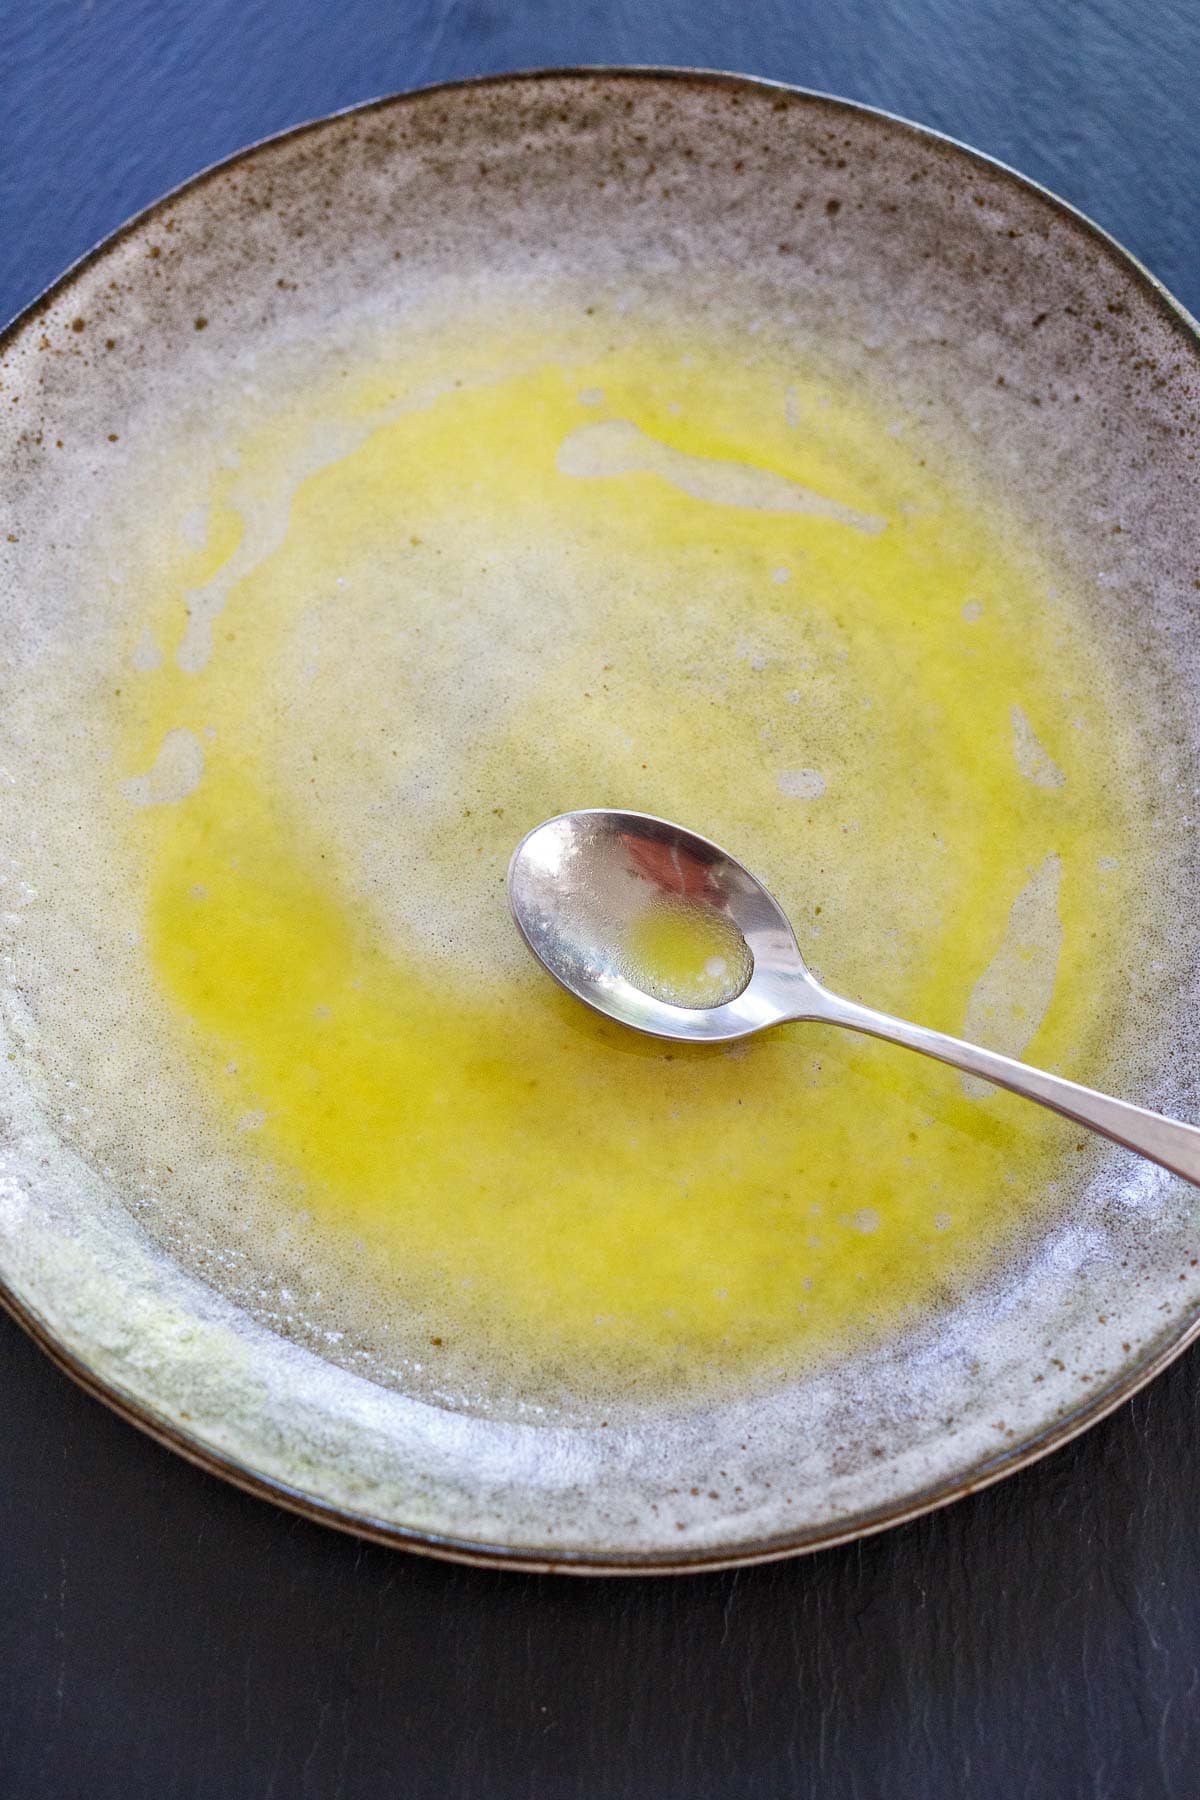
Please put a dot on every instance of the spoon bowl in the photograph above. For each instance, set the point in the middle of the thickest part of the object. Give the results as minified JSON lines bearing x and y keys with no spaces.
{"x":578,"y":881}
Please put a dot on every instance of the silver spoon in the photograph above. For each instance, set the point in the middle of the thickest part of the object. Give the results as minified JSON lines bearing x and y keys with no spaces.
{"x":576,"y":882}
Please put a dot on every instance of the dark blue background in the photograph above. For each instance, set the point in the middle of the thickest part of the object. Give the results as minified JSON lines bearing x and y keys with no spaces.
{"x":164,"y":1638}
{"x":106,"y":103}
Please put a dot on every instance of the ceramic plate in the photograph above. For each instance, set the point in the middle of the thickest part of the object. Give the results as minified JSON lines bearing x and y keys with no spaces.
{"x":668,"y":441}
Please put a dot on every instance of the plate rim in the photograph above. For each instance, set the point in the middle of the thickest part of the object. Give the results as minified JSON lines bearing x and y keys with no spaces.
{"x":556,"y":1559}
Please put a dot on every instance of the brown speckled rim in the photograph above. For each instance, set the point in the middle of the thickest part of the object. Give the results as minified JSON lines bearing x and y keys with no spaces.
{"x":555,"y":1559}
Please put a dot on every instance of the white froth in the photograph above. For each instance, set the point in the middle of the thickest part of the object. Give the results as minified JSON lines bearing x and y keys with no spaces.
{"x":1009,"y":1001}
{"x":1033,"y":760}
{"x":147,"y":656}
{"x":265,"y":515}
{"x":176,"y":772}
{"x":194,"y":527}
{"x":618,"y":447}
{"x":801,"y":784}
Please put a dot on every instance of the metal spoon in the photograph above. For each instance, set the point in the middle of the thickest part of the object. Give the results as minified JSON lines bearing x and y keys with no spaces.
{"x":575,"y":882}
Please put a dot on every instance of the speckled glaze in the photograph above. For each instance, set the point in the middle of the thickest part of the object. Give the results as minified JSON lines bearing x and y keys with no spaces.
{"x":986,"y":301}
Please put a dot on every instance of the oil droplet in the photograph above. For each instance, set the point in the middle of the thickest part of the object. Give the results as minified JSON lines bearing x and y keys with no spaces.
{"x":686,"y":952}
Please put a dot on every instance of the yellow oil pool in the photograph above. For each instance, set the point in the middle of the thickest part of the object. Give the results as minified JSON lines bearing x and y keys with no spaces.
{"x":583,"y":559}
{"x":686,"y":952}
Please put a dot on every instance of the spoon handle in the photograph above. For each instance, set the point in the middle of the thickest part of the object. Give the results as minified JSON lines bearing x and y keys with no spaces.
{"x":1166,"y":1141}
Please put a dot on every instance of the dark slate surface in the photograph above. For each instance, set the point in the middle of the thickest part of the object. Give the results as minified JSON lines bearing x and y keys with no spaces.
{"x":164,"y":1638}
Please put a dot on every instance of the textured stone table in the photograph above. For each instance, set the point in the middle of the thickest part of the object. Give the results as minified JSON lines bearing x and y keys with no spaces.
{"x":163,"y":1637}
